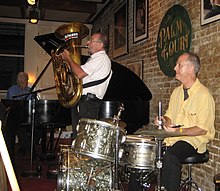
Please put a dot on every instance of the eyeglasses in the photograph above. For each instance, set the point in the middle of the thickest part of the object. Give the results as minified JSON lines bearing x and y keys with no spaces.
{"x":92,"y":40}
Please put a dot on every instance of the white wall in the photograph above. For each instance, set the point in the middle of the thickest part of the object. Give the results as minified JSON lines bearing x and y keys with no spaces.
{"x":36,"y":58}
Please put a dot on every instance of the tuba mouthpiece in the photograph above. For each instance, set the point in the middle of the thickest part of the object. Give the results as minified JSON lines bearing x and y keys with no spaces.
{"x":80,"y":46}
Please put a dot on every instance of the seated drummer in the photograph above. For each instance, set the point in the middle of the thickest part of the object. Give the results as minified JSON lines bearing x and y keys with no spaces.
{"x":191,"y":106}
{"x":97,"y":69}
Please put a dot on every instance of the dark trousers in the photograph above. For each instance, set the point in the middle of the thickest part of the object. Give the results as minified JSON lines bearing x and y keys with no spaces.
{"x":86,"y":108}
{"x":10,"y":130}
{"x":172,"y":164}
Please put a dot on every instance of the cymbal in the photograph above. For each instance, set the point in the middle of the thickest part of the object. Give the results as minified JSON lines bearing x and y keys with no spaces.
{"x":157,"y":133}
{"x":121,"y":124}
{"x":140,"y":138}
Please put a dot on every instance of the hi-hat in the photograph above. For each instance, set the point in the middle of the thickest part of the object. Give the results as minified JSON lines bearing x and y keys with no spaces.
{"x":121,"y":124}
{"x":158,"y":133}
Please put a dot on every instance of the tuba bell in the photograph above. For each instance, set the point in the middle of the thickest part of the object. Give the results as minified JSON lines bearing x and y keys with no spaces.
{"x":68,"y":85}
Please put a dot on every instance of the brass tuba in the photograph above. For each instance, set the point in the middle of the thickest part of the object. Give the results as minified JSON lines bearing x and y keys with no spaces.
{"x":68,"y":85}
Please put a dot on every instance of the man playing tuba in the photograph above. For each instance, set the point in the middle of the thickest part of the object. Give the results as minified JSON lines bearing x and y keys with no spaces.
{"x":96,"y":70}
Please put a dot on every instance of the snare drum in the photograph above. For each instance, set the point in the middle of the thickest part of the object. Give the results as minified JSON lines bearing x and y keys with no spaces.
{"x":78,"y":172}
{"x":97,"y":139}
{"x":138,"y":153}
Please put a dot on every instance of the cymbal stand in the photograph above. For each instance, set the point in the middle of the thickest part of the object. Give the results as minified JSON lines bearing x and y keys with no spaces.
{"x":159,"y":162}
{"x":116,"y":122}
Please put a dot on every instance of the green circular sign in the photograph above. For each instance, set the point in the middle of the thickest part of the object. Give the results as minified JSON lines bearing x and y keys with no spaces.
{"x":174,"y":38}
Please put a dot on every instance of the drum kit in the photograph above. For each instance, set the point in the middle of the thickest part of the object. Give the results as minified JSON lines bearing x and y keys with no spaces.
{"x":103,"y":157}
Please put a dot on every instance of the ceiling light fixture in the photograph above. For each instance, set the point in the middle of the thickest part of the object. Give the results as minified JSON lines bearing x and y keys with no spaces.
{"x":34,"y":15}
{"x":31,"y":2}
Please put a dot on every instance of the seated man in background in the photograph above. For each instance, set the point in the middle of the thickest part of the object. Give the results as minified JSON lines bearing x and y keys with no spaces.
{"x":12,"y":128}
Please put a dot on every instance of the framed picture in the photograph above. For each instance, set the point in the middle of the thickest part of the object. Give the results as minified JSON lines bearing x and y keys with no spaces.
{"x":137,"y":68}
{"x":209,"y":11}
{"x":140,"y":26}
{"x":120,"y":31}
{"x":106,"y":32}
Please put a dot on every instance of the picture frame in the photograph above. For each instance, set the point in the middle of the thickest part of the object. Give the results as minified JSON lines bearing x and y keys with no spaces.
{"x":120,"y":31}
{"x":136,"y":67}
{"x":140,"y":24}
{"x":106,"y":32}
{"x":208,"y":12}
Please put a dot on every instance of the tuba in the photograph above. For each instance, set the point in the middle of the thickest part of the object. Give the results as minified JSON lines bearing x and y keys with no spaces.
{"x":68,"y":85}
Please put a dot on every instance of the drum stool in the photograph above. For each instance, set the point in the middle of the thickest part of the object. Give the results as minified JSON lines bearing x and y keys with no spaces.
{"x":195,"y":159}
{"x":217,"y":182}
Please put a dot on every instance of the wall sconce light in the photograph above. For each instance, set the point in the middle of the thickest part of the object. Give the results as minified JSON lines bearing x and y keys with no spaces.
{"x":34,"y":15}
{"x":31,"y":78}
{"x":31,"y":2}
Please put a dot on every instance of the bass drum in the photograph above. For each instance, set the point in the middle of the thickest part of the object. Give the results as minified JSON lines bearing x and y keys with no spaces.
{"x":97,"y":139}
{"x":80,"y":173}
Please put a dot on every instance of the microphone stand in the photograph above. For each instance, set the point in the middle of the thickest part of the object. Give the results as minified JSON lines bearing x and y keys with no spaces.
{"x":31,"y":172}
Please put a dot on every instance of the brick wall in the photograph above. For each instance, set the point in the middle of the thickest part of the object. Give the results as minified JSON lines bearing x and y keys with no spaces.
{"x":205,"y":42}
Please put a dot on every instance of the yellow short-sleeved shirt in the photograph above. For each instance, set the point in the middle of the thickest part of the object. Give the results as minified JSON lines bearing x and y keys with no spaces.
{"x":197,"y":110}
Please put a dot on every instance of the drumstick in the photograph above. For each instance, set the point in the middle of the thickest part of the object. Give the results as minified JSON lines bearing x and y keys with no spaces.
{"x":160,"y":115}
{"x":7,"y":162}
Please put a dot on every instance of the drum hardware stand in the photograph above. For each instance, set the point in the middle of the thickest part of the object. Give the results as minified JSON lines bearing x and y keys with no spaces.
{"x":159,"y":163}
{"x":116,"y":121}
{"x":148,"y":177}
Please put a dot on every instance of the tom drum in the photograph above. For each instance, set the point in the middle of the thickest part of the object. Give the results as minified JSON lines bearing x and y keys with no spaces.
{"x":97,"y":139}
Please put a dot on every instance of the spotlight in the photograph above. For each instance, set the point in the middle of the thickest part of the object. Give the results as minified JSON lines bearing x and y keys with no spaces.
{"x":33,"y":21}
{"x":34,"y":16}
{"x":31,"y":2}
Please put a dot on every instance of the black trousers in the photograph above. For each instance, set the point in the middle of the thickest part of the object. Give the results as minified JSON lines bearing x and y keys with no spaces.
{"x":10,"y":130}
{"x":86,"y":108}
{"x":172,"y":164}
